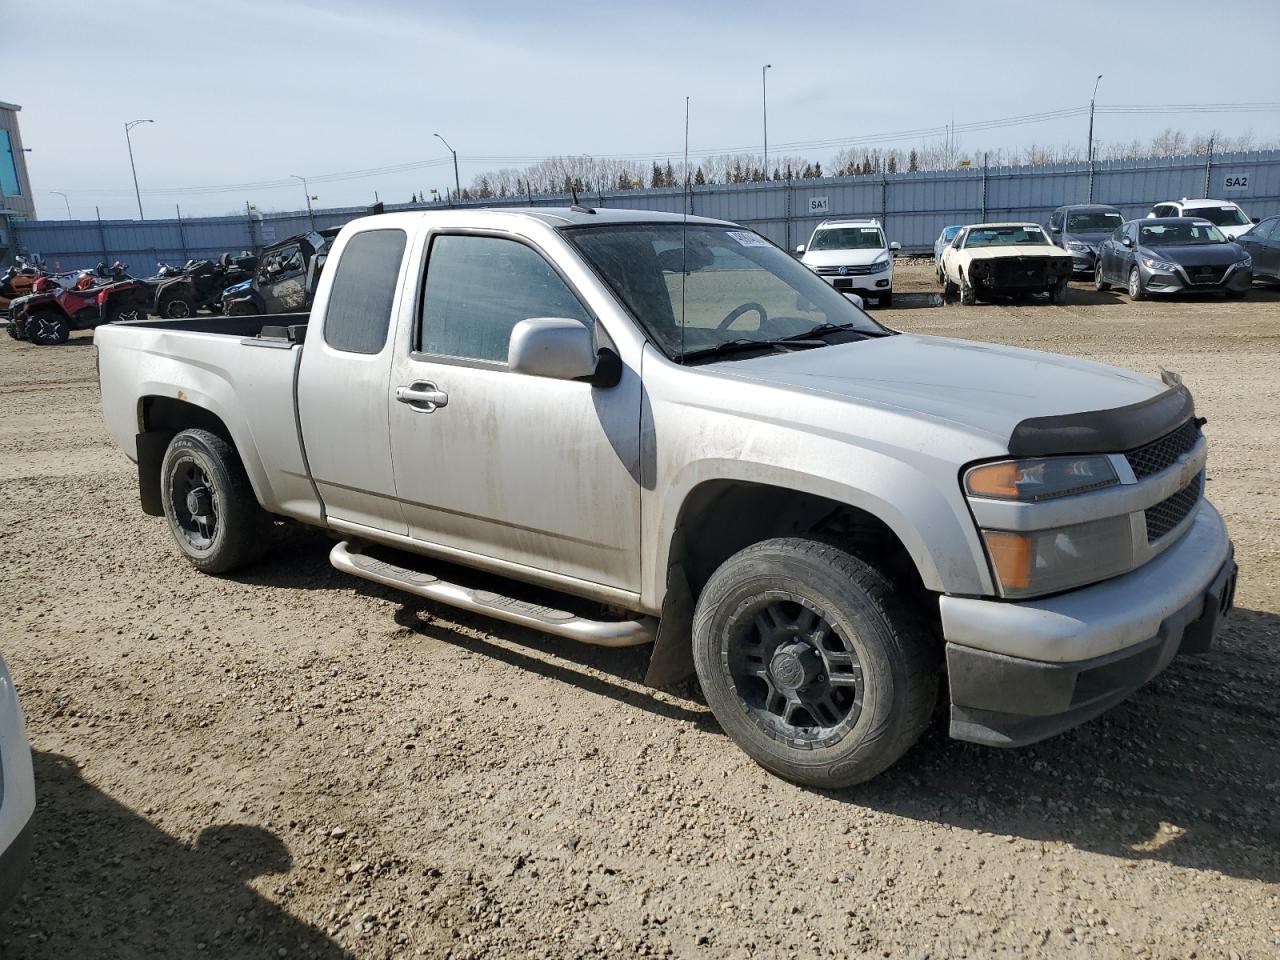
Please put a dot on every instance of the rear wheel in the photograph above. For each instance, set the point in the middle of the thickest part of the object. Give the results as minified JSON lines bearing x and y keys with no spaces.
{"x":210,"y":505}
{"x":125,"y":314}
{"x":176,"y":308}
{"x":1099,"y":284}
{"x":812,"y":662}
{"x":1136,"y":290}
{"x":240,"y":308}
{"x":968,"y":295}
{"x":48,"y":329}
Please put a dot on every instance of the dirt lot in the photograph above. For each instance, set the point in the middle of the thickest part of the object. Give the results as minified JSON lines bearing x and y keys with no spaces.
{"x":292,"y":763}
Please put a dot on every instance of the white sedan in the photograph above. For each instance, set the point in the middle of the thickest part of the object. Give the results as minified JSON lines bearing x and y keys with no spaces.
{"x":1004,"y":259}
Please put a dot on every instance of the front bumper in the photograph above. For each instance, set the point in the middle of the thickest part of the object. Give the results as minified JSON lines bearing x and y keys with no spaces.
{"x":1021,"y":672}
{"x":871,"y":284}
{"x":1082,"y":262}
{"x":14,"y":862}
{"x":1157,"y":281}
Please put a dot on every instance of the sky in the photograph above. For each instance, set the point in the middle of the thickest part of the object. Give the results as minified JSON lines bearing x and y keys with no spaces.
{"x":252,"y":92}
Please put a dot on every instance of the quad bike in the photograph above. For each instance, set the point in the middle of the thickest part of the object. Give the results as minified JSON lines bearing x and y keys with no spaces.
{"x":49,"y":314}
{"x":200,"y":284}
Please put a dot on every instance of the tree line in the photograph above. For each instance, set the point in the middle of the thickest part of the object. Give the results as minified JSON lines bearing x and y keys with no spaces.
{"x":586,"y":175}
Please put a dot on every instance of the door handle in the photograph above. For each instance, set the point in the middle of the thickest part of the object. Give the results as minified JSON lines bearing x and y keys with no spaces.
{"x":422,"y":396}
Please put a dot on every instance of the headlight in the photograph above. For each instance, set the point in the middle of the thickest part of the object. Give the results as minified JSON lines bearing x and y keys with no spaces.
{"x":1164,"y":266}
{"x":1037,"y":562}
{"x":1031,"y":480}
{"x":1246,"y":262}
{"x":1078,"y":246}
{"x":881,"y":263}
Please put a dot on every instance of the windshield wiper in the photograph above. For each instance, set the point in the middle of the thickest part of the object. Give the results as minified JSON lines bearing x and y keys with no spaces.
{"x":743,"y":344}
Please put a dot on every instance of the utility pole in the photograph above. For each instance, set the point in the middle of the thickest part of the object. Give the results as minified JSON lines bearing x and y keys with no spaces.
{"x":64,"y":200}
{"x":311,"y":217}
{"x":129,"y":140}
{"x":1092,"y":101}
{"x":457,"y":184}
{"x":764,"y":110}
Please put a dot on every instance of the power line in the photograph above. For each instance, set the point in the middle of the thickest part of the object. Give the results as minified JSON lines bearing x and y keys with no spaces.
{"x":916,"y":133}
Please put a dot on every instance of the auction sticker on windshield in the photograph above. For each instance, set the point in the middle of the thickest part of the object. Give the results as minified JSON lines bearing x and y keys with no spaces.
{"x":748,"y":239}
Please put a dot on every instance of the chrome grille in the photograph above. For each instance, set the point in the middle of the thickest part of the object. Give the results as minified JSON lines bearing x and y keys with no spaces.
{"x":858,"y":271}
{"x":1168,"y":513}
{"x":1164,"y":452}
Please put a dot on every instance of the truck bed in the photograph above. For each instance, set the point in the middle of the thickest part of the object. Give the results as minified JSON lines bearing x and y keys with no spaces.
{"x":149,"y":367}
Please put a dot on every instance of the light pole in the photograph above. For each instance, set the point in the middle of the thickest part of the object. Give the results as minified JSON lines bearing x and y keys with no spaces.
{"x":64,"y":200}
{"x":457,"y":184}
{"x":1092,"y":100}
{"x":311,"y":217}
{"x":764,"y":109}
{"x":129,"y":140}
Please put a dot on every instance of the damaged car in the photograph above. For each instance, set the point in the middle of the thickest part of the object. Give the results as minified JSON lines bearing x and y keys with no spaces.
{"x":996,"y":260}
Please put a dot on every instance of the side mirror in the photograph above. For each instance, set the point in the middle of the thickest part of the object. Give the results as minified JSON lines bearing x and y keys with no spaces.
{"x":1127,"y":241}
{"x":895,"y":246}
{"x":559,"y":348}
{"x":1255,"y":219}
{"x":799,"y":249}
{"x":1053,"y":229}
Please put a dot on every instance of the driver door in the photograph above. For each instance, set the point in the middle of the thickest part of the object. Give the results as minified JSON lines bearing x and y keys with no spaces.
{"x":536,"y":471}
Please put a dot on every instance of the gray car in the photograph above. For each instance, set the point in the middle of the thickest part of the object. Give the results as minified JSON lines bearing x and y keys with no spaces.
{"x":1080,"y":229}
{"x":1173,"y":255}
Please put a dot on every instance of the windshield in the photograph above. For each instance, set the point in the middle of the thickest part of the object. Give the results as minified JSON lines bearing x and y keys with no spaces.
{"x":1093,"y":222}
{"x":949,"y":233}
{"x":1005,"y":236}
{"x":1223,"y":216}
{"x":1186,"y":234}
{"x":847,"y":238}
{"x":738,"y":286}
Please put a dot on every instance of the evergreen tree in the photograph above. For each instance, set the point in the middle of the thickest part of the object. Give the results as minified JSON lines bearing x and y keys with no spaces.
{"x":913,"y":161}
{"x":817,"y":168}
{"x":655,"y":178}
{"x":699,"y":178}
{"x":776,"y":176}
{"x":807,"y":172}
{"x":669,"y":175}
{"x":893,"y":163}
{"x":624,"y":182}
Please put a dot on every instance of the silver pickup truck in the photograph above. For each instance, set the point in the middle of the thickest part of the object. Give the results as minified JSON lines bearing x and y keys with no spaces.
{"x":633,"y":428}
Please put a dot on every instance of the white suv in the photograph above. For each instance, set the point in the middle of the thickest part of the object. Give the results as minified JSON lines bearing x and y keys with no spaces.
{"x":853,"y":257}
{"x":1223,"y":214}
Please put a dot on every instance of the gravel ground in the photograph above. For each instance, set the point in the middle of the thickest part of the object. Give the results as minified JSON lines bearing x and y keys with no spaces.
{"x":293,"y":763}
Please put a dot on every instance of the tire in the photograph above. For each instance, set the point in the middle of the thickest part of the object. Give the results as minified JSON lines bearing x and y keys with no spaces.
{"x":1058,"y":292}
{"x":1136,"y":290}
{"x":240,"y":308}
{"x":1099,"y":284}
{"x":175,"y":308}
{"x":949,"y":290}
{"x":968,"y":296}
{"x":886,"y":299}
{"x":125,"y":314}
{"x":48,"y":329}
{"x":209,"y":503}
{"x":12,"y":327}
{"x":872,"y":640}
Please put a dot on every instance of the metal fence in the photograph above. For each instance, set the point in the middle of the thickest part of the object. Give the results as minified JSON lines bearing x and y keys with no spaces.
{"x":912,"y":206}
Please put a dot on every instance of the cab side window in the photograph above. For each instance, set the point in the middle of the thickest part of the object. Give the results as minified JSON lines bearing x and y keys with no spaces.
{"x":478,"y":288}
{"x":359,"y":311}
{"x":1055,"y":221}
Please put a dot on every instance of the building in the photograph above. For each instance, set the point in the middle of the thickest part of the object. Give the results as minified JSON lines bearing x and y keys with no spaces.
{"x":16,"y":202}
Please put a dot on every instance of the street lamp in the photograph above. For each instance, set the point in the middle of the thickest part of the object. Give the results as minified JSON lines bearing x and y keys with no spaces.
{"x":457,"y":184}
{"x":129,"y":140}
{"x":764,"y":106}
{"x":1092,"y":100}
{"x":311,"y":217}
{"x":64,"y":200}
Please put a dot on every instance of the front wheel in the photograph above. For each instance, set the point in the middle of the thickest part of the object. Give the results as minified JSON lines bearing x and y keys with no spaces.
{"x":1058,"y":292}
{"x":812,"y":662}
{"x":125,"y":314}
{"x":176,"y":308}
{"x":968,"y":295}
{"x":1136,"y":290}
{"x":210,"y":505}
{"x":886,"y":299}
{"x":48,"y":329}
{"x":1099,"y":284}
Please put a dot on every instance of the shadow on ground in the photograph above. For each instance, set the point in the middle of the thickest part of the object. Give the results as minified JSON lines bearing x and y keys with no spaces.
{"x":105,"y":882}
{"x":1185,"y":772}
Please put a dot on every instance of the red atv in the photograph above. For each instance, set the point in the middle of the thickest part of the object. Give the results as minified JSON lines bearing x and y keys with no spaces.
{"x":49,"y":314}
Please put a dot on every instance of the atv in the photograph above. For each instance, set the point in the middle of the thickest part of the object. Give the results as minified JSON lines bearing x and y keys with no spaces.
{"x":49,"y":314}
{"x":200,"y":284}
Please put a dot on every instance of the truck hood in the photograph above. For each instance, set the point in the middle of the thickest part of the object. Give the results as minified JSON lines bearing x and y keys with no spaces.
{"x":842,"y":258}
{"x":979,"y":387}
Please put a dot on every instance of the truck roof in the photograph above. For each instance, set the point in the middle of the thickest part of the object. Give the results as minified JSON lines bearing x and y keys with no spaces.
{"x":555,"y":216}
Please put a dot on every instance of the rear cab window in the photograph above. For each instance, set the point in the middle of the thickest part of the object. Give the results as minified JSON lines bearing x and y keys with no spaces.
{"x":362,"y":298}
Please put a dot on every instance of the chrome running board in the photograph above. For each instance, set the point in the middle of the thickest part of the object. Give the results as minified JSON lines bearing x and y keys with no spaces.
{"x":350,"y":558}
